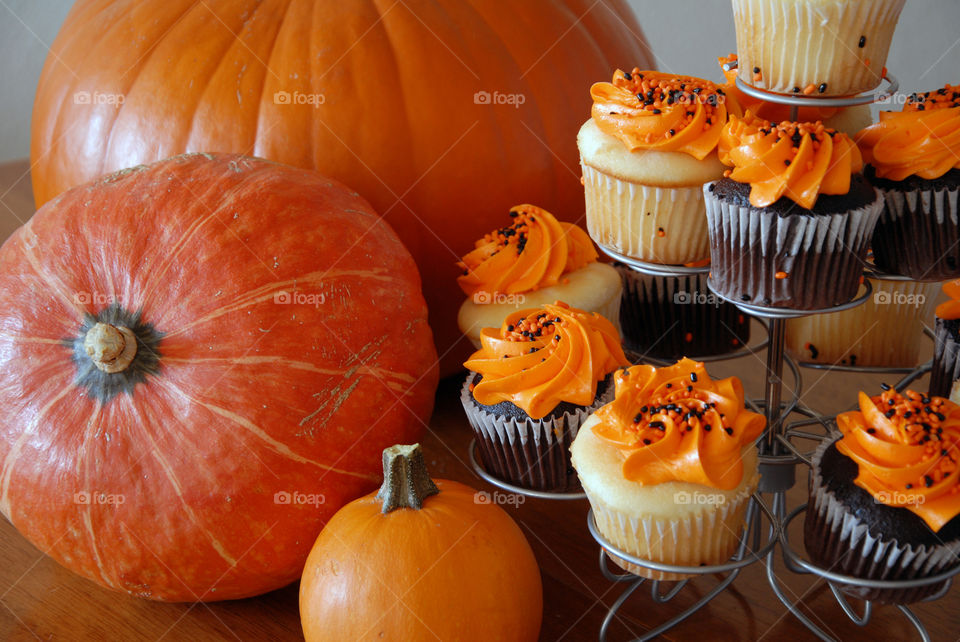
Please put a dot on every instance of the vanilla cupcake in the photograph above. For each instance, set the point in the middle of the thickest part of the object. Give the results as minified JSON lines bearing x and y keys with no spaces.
{"x":646,"y":151}
{"x":534,"y":380}
{"x":533,"y":260}
{"x":886,"y":331}
{"x":913,"y":158}
{"x":814,"y":47}
{"x":669,"y":466}
{"x":790,"y":225}
{"x":885,"y":498}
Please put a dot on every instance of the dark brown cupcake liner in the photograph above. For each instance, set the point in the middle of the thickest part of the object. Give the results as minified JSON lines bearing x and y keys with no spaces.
{"x":946,"y":356}
{"x":918,"y":234}
{"x":838,"y":541}
{"x":674,"y":317}
{"x":803,"y":261}
{"x":530,"y":453}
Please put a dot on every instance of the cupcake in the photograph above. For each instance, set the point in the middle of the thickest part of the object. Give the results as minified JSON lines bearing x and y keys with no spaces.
{"x":646,"y":151}
{"x":848,"y":120}
{"x":790,"y":224}
{"x":814,"y":47}
{"x":534,"y":380}
{"x":886,"y":331}
{"x":533,"y":260}
{"x":913,"y":158}
{"x":884,"y":497}
{"x":946,"y":343}
{"x":669,"y":466}
{"x":666,"y":317}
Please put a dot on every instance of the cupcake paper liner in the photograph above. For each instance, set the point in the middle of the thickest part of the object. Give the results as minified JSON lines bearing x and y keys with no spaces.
{"x":820,"y":256}
{"x":656,"y":224}
{"x":918,"y":234}
{"x":886,"y":331}
{"x":796,"y":44}
{"x":673,"y":317}
{"x":707,"y":537}
{"x":532,"y":453}
{"x":838,"y":541}
{"x":946,"y":357}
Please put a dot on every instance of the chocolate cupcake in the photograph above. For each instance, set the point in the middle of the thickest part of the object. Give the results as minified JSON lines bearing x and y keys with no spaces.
{"x":884,"y":497}
{"x":913,"y":158}
{"x":790,"y":225}
{"x":946,"y":344}
{"x":533,"y":382}
{"x":667,"y":317}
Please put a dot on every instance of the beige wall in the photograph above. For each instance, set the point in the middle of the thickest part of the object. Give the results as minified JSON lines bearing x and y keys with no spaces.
{"x":686,"y":36}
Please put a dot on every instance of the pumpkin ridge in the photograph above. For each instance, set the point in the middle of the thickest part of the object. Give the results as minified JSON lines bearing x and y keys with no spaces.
{"x":6,"y":470}
{"x":140,"y":63}
{"x":39,"y":268}
{"x":172,"y":479}
{"x":263,"y":85}
{"x":273,"y":445}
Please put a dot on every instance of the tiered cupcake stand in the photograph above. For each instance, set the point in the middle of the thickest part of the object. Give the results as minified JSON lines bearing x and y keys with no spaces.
{"x":766,"y":524}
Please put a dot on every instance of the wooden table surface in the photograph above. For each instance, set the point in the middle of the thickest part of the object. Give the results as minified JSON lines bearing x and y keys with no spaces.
{"x":42,"y":600}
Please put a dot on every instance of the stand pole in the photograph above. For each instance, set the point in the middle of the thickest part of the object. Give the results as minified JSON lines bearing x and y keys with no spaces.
{"x":774,"y":387}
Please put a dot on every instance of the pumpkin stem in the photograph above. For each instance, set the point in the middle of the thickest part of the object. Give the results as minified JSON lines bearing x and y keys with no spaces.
{"x":406,"y":482}
{"x":111,"y":348}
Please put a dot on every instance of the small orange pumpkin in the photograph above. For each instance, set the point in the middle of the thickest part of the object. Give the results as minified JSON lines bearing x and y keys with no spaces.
{"x":420,"y":560}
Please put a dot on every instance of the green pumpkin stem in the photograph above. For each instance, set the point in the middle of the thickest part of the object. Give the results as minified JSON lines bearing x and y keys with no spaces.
{"x":406,"y":482}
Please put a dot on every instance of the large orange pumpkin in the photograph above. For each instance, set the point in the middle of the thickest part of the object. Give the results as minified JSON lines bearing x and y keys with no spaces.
{"x":201,"y":360}
{"x":420,"y":561}
{"x":442,"y":113}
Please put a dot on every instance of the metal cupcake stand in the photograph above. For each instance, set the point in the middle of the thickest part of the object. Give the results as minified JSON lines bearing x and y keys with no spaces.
{"x":766,"y":525}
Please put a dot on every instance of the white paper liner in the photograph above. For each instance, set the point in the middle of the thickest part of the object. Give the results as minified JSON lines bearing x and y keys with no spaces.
{"x":870,"y":556}
{"x":885,"y":331}
{"x":532,"y":453}
{"x":707,"y":537}
{"x":795,"y":44}
{"x":822,"y":255}
{"x":628,"y":217}
{"x":918,"y":234}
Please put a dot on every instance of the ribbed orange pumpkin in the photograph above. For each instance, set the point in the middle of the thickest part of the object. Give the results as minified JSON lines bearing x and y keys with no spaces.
{"x":420,"y":561}
{"x":417,"y":111}
{"x":201,"y":360}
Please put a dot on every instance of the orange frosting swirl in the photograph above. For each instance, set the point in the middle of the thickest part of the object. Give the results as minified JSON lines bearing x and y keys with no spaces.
{"x":764,"y":109}
{"x":906,"y":448}
{"x":665,"y":112}
{"x":921,"y":140}
{"x":533,"y":252}
{"x":797,"y":160}
{"x":677,"y":424}
{"x":542,"y":356}
{"x":950,"y":309}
